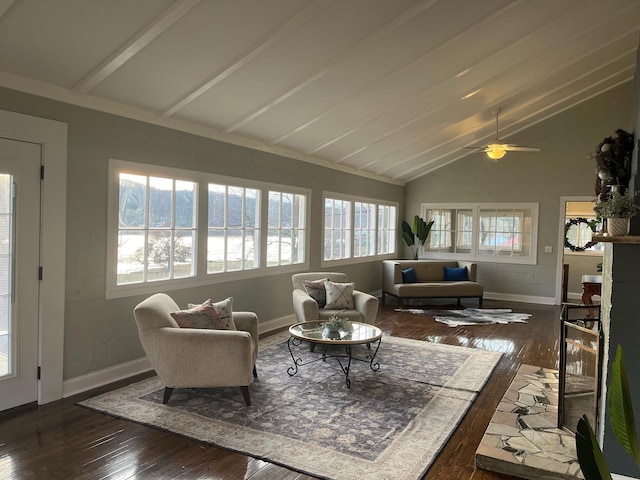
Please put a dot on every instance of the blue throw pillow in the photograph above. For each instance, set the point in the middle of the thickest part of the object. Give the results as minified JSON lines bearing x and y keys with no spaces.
{"x":409,"y":276}
{"x":455,"y":274}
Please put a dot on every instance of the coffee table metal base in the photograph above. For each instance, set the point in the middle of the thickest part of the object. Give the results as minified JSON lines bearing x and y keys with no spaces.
{"x":343,"y":360}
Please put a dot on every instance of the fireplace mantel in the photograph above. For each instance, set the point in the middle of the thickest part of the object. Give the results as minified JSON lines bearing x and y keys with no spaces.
{"x":616,"y":239}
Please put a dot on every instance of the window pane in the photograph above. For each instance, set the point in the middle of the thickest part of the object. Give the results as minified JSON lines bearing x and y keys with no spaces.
{"x":235,"y":199}
{"x":183,"y":261}
{"x":215,"y":251}
{"x":159,"y":253}
{"x":160,"y":202}
{"x":185,"y":204}
{"x":235,"y":249}
{"x":217,"y":206}
{"x":131,"y":255}
{"x":132,"y":201}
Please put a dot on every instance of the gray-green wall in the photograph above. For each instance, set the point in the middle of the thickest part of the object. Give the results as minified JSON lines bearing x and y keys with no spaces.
{"x":100,"y":333}
{"x":560,"y":169}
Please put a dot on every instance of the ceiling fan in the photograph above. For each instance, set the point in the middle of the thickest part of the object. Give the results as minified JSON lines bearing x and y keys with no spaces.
{"x":498,"y":148}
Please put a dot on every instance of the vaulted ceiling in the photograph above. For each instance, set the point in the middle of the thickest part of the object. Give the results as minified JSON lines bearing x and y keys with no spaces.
{"x":390,"y":89}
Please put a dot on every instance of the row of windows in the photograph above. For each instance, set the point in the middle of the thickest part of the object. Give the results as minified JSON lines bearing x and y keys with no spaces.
{"x":489,"y":232}
{"x":354,"y":229}
{"x":250,"y":226}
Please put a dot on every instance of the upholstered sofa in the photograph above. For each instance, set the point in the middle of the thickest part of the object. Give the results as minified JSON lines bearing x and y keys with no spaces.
{"x":430,"y":280}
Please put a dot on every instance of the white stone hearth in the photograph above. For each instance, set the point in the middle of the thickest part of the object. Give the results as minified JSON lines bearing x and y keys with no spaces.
{"x":522,"y":438}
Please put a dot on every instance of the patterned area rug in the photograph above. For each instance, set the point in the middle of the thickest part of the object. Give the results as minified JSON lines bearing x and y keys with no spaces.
{"x":389,"y":425}
{"x":471,"y":316}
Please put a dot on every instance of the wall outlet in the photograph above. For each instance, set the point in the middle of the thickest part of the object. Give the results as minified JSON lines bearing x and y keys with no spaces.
{"x":548,"y":249}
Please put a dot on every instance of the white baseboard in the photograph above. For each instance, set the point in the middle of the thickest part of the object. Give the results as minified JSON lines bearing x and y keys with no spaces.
{"x":520,"y":298}
{"x":277,"y":324}
{"x":105,"y":376}
{"x":616,"y":476}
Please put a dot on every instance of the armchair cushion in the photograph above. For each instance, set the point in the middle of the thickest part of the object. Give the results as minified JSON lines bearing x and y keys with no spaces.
{"x":339,"y":295}
{"x":316,"y":290}
{"x":203,"y":316}
{"x":224,"y":309}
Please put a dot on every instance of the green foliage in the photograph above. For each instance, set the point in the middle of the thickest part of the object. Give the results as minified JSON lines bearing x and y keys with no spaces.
{"x":416,"y":234}
{"x":617,"y":205}
{"x":621,"y":409}
{"x":590,"y":457}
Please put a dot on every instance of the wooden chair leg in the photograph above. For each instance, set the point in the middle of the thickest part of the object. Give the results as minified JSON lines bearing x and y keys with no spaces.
{"x":245,"y":395}
{"x":167,"y":393}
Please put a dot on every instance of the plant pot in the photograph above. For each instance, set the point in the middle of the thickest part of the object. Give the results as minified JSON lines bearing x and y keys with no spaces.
{"x":331,"y":334}
{"x":617,"y":227}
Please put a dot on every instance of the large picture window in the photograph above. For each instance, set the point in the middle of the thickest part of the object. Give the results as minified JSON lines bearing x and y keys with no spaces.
{"x":490,"y":232}
{"x":178,"y":228}
{"x":357,"y":228}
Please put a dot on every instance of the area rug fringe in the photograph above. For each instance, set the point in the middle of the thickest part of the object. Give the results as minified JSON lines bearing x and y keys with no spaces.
{"x":389,"y":425}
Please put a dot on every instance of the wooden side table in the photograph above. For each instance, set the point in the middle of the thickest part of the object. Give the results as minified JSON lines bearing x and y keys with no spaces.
{"x":591,"y":285}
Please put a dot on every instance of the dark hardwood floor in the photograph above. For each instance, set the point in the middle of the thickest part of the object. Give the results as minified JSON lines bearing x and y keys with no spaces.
{"x":63,"y":441}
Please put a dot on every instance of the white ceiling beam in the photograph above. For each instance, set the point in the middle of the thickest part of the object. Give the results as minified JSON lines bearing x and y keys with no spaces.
{"x":5,"y":5}
{"x":407,"y":67}
{"x":265,"y":43}
{"x":361,"y":45}
{"x":168,"y":18}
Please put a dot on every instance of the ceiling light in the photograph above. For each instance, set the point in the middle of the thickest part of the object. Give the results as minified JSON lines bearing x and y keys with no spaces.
{"x":495,"y":151}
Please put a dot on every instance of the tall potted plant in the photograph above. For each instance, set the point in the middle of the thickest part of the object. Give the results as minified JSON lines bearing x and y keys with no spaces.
{"x":416,"y":234}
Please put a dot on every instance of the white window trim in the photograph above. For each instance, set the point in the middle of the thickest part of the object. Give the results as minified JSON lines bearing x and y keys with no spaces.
{"x":201,"y":277}
{"x":354,"y":260}
{"x":531,"y":259}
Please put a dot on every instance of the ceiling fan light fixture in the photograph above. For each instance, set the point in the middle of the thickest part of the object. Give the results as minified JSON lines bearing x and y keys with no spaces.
{"x":495,"y":151}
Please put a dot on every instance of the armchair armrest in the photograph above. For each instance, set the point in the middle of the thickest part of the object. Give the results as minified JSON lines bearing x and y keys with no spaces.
{"x":366,"y":304}
{"x":248,"y":322}
{"x":305,"y":307}
{"x":192,"y":357}
{"x":472,"y":268}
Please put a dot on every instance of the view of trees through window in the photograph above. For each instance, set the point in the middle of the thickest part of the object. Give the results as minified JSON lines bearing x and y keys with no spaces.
{"x":156,"y":229}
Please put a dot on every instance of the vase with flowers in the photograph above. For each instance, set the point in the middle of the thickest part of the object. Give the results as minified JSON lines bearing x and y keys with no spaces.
{"x":617,"y":209}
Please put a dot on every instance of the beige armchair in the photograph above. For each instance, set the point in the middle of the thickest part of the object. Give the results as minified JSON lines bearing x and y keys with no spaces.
{"x":307,"y":309}
{"x":192,"y":357}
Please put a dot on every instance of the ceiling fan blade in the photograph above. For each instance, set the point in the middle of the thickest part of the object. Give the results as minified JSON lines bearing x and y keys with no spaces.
{"x":516,"y":148}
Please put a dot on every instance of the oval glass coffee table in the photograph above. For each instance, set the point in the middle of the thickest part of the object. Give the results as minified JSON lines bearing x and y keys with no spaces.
{"x":331,"y":342}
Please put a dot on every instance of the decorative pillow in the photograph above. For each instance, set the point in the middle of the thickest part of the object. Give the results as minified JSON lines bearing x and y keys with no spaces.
{"x":409,"y":275}
{"x":339,"y":295}
{"x":315,"y":289}
{"x":224,"y":310}
{"x":456,"y":274}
